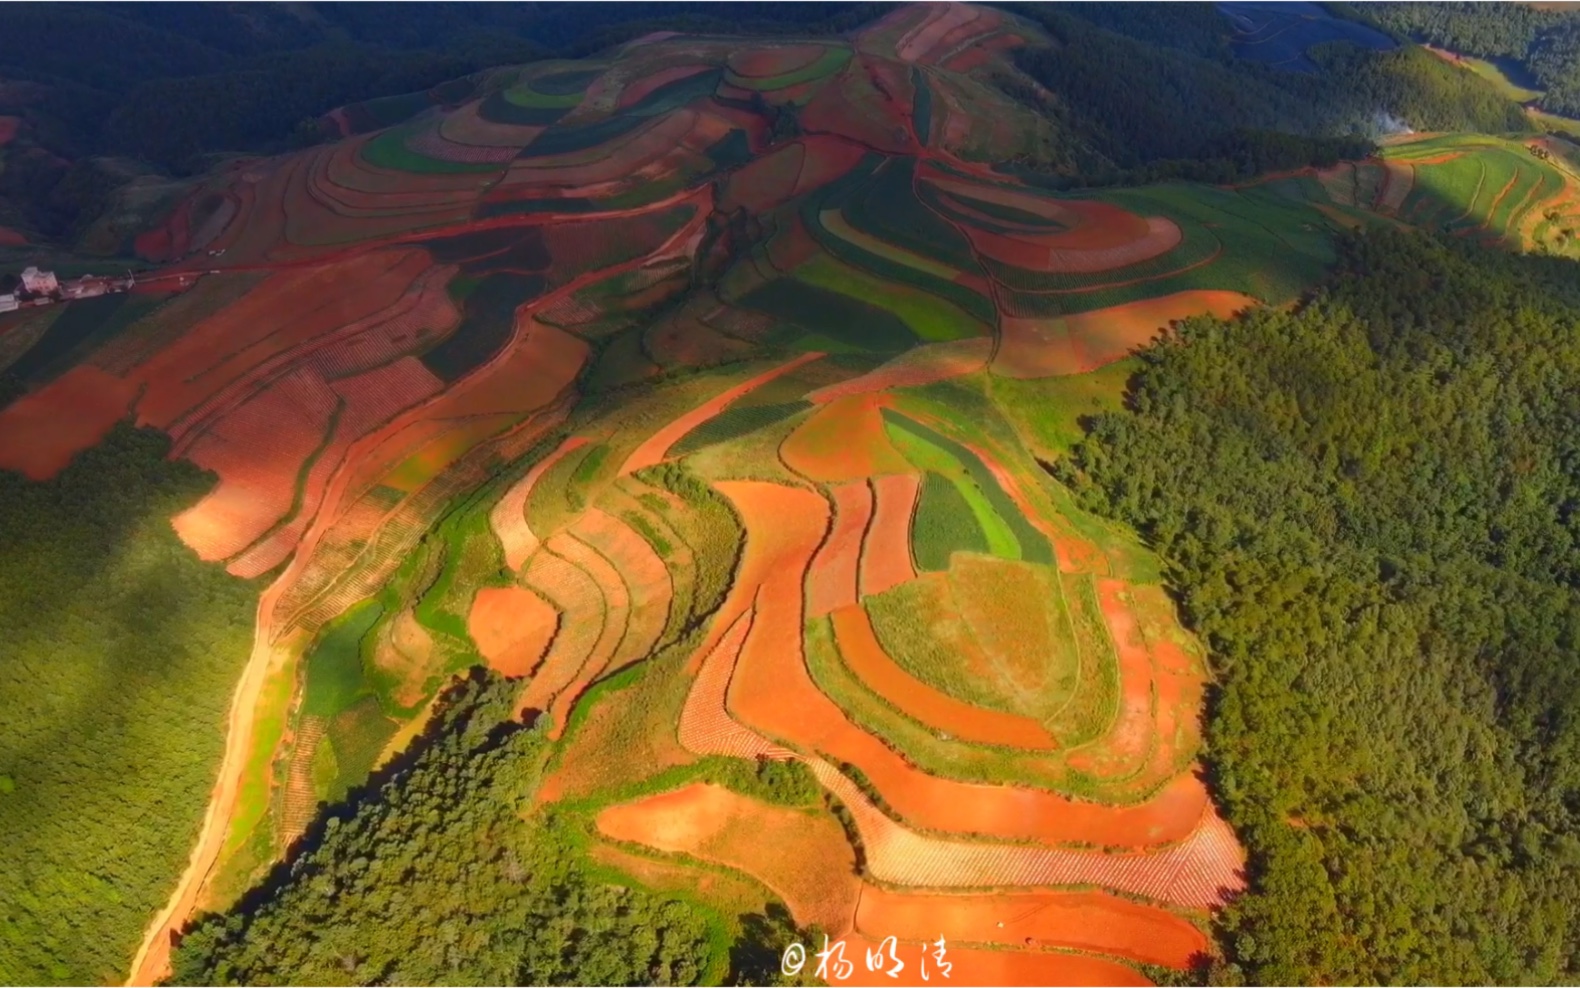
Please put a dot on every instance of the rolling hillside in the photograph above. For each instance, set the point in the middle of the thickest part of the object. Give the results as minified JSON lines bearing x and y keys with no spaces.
{"x":704,"y":391}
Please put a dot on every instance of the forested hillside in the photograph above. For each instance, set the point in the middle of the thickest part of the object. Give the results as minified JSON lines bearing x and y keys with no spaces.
{"x":119,"y":653}
{"x":1369,"y":509}
{"x":1544,"y":42}
{"x":434,"y":877}
{"x":1189,"y":108}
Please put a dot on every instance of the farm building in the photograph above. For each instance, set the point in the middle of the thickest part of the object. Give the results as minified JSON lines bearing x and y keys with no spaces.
{"x":39,"y":282}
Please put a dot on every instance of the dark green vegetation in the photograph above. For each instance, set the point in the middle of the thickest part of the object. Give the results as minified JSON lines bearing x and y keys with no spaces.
{"x":431,"y":874}
{"x":1541,"y":44}
{"x":487,"y":320}
{"x":943,"y":525}
{"x":1188,"y":108}
{"x":120,"y":652}
{"x":1369,"y":509}
{"x":81,"y":326}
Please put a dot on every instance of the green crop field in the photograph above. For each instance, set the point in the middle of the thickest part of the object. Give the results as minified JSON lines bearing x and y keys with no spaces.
{"x":946,"y":522}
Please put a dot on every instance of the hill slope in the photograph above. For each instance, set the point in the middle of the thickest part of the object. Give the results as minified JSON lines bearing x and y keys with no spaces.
{"x":703,"y":389}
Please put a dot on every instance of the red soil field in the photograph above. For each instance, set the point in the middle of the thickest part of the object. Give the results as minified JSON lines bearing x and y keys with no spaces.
{"x":921,"y":365}
{"x":656,"y":447}
{"x":1059,"y":252}
{"x":1030,"y":348}
{"x":1094,"y":921}
{"x":804,"y":857}
{"x":258,"y":450}
{"x":920,"y":43}
{"x":508,"y":518}
{"x":842,"y":441}
{"x":42,"y":431}
{"x":705,"y":727}
{"x":831,"y":580}
{"x":512,"y":628}
{"x":1196,"y":873}
{"x":791,"y":169}
{"x":789,"y":248}
{"x":864,"y":656}
{"x":11,"y":238}
{"x":272,"y":320}
{"x":981,"y":53}
{"x":771,"y":691}
{"x":8,"y":128}
{"x":538,"y":366}
{"x":976,"y":966}
{"x":368,"y":401}
{"x":853,"y":107}
{"x":767,"y":61}
{"x":886,"y":555}
{"x":766,"y":181}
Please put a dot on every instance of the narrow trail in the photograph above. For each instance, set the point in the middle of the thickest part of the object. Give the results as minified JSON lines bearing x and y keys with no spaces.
{"x":152,"y":961}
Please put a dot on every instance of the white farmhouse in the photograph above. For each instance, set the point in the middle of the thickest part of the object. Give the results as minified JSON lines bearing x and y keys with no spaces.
{"x":40,"y":282}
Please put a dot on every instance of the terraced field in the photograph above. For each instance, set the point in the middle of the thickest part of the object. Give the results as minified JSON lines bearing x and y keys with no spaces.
{"x":726,"y":444}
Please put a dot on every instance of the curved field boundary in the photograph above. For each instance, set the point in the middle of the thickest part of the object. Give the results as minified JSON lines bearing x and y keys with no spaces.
{"x":886,"y":552}
{"x":367,"y":402}
{"x":1078,"y":344}
{"x":705,"y":727}
{"x":572,"y":592}
{"x":773,"y":695}
{"x":864,"y":656}
{"x":512,"y":627}
{"x":1094,"y":921}
{"x":843,"y":441}
{"x":259,"y":451}
{"x":926,"y":364}
{"x":656,"y":447}
{"x":803,"y":857}
{"x":1200,"y":872}
{"x":770,"y":690}
{"x":637,"y":90}
{"x":1396,"y":187}
{"x":508,"y":517}
{"x":1123,"y":749}
{"x":831,"y":579}
{"x":614,"y":603}
{"x":646,"y":578}
{"x":467,"y":127}
{"x":1039,"y":254}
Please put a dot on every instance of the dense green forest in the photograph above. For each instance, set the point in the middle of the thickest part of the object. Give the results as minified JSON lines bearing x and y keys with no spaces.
{"x":438,"y":873}
{"x":1147,"y":92}
{"x":119,"y":653}
{"x":1371,"y":511}
{"x":1544,"y":42}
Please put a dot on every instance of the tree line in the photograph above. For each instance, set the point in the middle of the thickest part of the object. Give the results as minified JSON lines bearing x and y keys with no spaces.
{"x":1370,"y":510}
